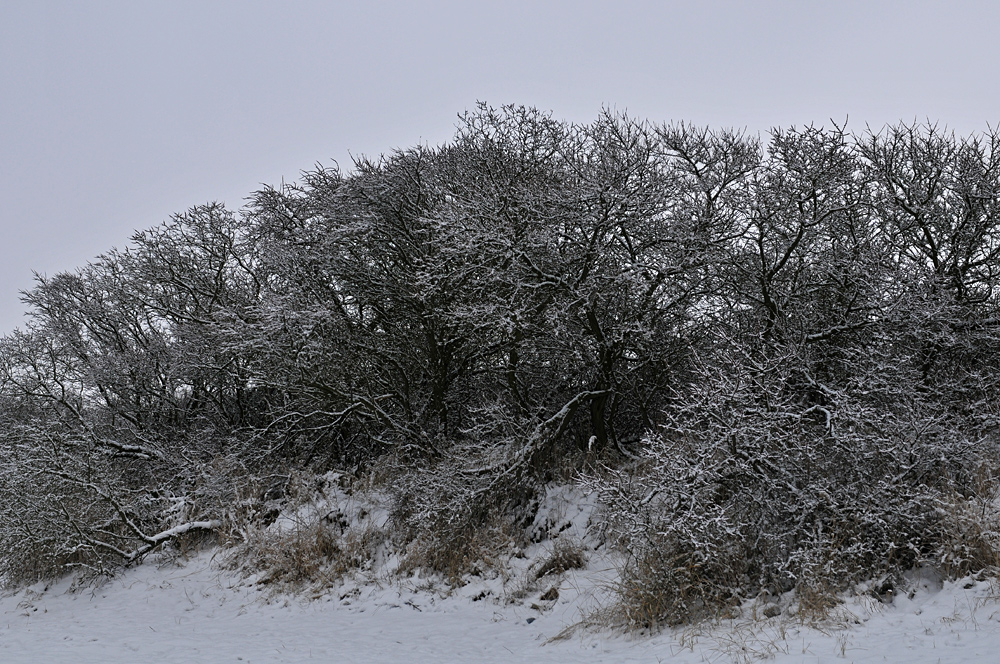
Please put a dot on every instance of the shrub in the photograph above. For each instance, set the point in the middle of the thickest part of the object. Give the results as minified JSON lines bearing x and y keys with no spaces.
{"x":746,"y":492}
{"x":311,"y":537}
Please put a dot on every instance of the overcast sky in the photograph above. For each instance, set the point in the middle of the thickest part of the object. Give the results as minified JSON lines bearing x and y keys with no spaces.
{"x":113,"y":115}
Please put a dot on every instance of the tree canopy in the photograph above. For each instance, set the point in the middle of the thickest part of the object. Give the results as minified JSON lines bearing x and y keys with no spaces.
{"x":797,"y":337}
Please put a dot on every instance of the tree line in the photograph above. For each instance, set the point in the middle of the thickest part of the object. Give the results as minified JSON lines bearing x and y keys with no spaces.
{"x":814,"y":314}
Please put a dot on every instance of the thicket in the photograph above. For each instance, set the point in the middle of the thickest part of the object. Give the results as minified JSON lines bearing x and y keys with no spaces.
{"x":777,"y":361}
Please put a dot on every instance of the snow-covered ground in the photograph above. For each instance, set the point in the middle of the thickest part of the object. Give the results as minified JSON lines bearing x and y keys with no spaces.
{"x":196,"y":613}
{"x":195,"y":610}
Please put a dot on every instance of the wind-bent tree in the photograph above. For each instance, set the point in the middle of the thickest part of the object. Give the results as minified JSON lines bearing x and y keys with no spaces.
{"x":779,"y":347}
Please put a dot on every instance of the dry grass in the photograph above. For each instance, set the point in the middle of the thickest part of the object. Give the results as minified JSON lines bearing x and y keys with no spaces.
{"x":668,"y":585}
{"x":458,"y":525}
{"x":296,"y":538}
{"x":969,"y":540}
{"x":313,"y":555}
{"x":816,"y":602}
{"x":546,"y":572}
{"x":566,"y":554}
{"x":457,"y":553}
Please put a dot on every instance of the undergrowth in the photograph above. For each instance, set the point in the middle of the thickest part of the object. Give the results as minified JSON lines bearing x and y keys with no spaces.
{"x":310,"y":537}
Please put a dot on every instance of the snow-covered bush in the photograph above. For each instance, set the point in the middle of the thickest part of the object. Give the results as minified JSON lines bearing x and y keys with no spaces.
{"x":745,"y":491}
{"x":310,"y":536}
{"x":461,"y":521}
{"x":804,"y":333}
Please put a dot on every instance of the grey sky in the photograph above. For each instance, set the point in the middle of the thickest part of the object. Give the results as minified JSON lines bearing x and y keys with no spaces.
{"x":113,"y":115}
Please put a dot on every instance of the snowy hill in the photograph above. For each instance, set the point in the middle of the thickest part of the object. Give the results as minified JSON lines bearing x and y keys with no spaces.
{"x":548,"y":602}
{"x":193,"y":612}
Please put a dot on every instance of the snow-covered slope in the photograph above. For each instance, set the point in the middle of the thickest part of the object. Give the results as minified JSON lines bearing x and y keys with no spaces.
{"x":196,"y":613}
{"x":199,"y":610}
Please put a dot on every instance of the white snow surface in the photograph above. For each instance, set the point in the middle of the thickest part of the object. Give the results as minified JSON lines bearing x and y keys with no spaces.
{"x":193,"y":610}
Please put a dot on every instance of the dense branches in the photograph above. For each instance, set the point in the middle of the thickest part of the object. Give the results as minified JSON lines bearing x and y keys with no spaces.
{"x":766,"y":328}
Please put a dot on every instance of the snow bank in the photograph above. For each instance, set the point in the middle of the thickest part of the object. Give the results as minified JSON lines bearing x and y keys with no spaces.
{"x":196,"y":613}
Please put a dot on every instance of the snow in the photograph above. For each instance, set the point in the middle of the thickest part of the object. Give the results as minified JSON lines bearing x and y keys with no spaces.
{"x":195,"y":612}
{"x":198,"y":609}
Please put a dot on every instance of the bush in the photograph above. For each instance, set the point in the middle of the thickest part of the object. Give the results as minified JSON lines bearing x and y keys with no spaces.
{"x":310,"y":537}
{"x":461,"y":523}
{"x":747,"y":492}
